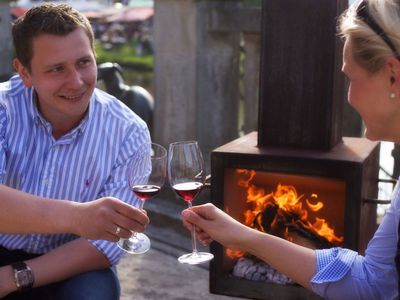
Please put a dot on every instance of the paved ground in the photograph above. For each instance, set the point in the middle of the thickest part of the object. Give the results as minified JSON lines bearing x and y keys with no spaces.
{"x":157,"y":275}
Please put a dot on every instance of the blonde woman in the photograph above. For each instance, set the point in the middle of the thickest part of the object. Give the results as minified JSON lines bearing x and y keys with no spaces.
{"x":371,"y":62}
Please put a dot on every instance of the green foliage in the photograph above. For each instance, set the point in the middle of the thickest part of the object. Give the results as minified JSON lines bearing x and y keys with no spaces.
{"x":137,"y":70}
{"x":124,"y":55}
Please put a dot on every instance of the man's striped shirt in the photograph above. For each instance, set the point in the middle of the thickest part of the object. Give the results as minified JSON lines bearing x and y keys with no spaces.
{"x":87,"y":163}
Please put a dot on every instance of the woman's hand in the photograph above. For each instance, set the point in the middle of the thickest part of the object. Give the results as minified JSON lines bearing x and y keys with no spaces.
{"x":214,"y":224}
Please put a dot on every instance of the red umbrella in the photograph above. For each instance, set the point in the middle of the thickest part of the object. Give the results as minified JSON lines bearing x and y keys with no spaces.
{"x":132,"y":15}
{"x":18,"y":11}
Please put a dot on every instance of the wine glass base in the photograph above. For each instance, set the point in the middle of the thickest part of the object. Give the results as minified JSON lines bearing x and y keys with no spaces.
{"x":195,"y":258}
{"x":138,"y":243}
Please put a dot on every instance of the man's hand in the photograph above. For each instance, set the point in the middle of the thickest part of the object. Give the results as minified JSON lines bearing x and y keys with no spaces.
{"x":100,"y":219}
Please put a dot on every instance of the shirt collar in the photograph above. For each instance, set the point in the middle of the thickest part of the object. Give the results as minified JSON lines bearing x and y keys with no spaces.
{"x":38,"y":118}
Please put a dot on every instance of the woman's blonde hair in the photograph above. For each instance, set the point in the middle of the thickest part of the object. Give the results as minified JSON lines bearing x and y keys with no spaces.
{"x":368,"y":48}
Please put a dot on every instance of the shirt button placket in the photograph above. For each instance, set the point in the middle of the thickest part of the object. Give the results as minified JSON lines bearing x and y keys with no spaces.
{"x":48,"y":170}
{"x":33,"y":244}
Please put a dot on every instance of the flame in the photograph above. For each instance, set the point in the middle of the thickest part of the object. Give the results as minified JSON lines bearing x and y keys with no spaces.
{"x":234,"y":253}
{"x":288,"y":206}
{"x":323,"y":229}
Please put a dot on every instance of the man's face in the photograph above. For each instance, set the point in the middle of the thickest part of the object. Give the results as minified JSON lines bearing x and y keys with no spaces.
{"x":63,"y":73}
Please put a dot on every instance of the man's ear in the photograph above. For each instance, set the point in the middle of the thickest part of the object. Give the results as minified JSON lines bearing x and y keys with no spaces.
{"x":23,"y":72}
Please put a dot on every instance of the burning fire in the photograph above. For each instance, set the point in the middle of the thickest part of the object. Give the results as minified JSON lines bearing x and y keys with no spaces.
{"x":283,"y":211}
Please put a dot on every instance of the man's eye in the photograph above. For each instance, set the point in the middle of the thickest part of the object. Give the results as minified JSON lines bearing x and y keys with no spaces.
{"x":56,"y":69}
{"x":84,"y":62}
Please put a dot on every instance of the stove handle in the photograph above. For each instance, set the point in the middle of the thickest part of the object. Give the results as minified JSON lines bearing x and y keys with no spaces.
{"x":376,"y":201}
{"x":380,"y":201}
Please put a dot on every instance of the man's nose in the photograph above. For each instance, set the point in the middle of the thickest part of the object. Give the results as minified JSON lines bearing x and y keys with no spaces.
{"x":75,"y":78}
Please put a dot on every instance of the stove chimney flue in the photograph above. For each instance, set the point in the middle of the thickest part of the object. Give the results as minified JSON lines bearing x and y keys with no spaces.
{"x":301,"y":86}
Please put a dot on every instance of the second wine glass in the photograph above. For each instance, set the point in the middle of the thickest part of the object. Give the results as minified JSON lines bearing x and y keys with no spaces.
{"x":186,"y":175}
{"x":145,"y":186}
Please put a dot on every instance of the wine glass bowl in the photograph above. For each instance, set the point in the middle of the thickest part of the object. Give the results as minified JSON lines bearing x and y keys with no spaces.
{"x":188,"y":190}
{"x":186,"y":176}
{"x":152,"y":161}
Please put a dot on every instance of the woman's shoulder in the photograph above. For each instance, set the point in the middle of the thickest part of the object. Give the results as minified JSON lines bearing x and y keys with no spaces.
{"x":396,"y":197}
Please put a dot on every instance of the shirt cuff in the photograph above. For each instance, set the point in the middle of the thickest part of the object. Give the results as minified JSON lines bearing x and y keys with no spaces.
{"x":110,"y":250}
{"x":333,"y":264}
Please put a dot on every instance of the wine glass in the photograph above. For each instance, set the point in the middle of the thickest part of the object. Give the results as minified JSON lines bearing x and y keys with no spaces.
{"x":187,"y":177}
{"x":152,"y":160}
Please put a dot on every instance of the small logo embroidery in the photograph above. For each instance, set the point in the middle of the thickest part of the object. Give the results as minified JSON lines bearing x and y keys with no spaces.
{"x":88,"y":182}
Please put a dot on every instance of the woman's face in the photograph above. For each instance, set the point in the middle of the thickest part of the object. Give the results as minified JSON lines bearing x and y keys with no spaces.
{"x":369,"y":95}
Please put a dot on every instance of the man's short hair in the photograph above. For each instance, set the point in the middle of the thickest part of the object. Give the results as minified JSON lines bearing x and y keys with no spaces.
{"x":48,"y":18}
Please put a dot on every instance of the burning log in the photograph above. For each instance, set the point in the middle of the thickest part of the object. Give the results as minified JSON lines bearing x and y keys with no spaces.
{"x":284,"y":225}
{"x":285,"y":214}
{"x":288,"y":226}
{"x":302,"y":236}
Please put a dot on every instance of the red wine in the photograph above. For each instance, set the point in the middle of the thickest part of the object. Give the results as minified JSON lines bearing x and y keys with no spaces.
{"x":188,"y":190}
{"x":145,"y":192}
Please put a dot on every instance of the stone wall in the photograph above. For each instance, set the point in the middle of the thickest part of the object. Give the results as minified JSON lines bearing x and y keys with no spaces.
{"x":5,"y":41}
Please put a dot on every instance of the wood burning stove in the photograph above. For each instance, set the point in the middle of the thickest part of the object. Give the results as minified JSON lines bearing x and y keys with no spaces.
{"x":340,"y":179}
{"x":296,"y":177}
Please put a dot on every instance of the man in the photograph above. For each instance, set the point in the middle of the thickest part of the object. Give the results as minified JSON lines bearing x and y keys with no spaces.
{"x":63,"y":139}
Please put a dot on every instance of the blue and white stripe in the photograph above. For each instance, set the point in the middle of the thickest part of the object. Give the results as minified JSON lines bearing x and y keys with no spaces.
{"x":87,"y":163}
{"x":344,"y":274}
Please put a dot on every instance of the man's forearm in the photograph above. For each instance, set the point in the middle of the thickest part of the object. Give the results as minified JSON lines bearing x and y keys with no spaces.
{"x":68,"y":260}
{"x":22,"y":213}
{"x":34,"y":214}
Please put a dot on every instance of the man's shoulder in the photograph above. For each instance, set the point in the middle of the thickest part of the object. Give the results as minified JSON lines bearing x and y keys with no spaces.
{"x":13,"y":87}
{"x":109,"y":107}
{"x":116,"y":118}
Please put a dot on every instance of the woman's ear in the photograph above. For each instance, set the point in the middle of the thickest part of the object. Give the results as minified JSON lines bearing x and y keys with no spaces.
{"x":394,"y":69}
{"x":23,"y":72}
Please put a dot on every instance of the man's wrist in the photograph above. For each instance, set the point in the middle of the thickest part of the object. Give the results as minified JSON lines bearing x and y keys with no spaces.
{"x":23,"y":275}
{"x":73,"y":221}
{"x":62,"y":215}
{"x":7,"y":282}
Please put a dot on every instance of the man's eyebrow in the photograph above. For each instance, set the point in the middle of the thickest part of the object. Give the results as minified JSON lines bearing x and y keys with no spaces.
{"x":88,"y":56}
{"x":52,"y":65}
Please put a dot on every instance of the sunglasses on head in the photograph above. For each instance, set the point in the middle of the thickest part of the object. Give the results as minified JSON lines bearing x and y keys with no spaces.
{"x":363,"y":15}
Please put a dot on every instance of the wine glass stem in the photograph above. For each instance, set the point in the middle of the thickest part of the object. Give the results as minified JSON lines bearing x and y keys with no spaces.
{"x":141,"y":204}
{"x":194,"y":246}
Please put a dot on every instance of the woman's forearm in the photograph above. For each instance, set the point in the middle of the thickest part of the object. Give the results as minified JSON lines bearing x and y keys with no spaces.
{"x":295,"y":261}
